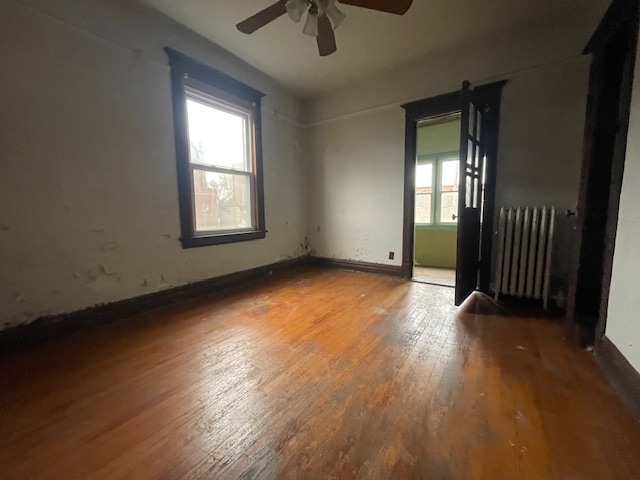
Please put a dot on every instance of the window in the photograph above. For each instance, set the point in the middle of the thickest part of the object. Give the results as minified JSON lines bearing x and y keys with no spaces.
{"x":424,"y":193}
{"x":437,"y":178}
{"x":219,"y":157}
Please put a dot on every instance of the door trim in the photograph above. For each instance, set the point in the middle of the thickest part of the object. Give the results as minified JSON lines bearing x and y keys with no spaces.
{"x":430,"y":107}
{"x":619,"y":26}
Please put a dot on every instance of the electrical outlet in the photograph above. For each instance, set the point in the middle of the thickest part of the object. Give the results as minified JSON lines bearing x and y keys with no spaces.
{"x":392,"y":255}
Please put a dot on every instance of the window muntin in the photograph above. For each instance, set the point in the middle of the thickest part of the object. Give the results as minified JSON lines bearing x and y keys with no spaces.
{"x":437,"y":178}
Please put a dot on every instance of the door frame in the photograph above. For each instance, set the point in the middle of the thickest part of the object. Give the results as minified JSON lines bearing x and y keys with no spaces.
{"x":446,"y":104}
{"x":619,"y":27}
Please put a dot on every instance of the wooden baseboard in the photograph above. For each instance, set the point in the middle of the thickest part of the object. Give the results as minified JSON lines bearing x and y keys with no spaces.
{"x":621,"y":375}
{"x":48,"y":328}
{"x":356,"y":266}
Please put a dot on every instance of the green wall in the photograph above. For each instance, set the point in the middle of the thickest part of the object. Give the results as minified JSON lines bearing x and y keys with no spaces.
{"x":436,"y":246}
{"x":440,"y":138}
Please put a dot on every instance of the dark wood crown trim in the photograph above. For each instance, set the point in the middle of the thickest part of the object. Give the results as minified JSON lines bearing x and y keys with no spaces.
{"x":618,"y":13}
{"x":207,"y":74}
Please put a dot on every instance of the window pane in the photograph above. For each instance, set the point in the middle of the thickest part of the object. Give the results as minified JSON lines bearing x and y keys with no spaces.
{"x":424,"y":190}
{"x":424,"y":175}
{"x":423,"y":208}
{"x":221,"y":201}
{"x":217,"y":136}
{"x":448,"y":207}
{"x":468,"y":192}
{"x":449,"y":175}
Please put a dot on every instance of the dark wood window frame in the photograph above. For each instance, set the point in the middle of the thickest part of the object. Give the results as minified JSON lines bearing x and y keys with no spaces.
{"x":187,"y":73}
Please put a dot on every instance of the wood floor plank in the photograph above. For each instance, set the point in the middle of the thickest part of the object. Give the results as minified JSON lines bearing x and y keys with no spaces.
{"x":316,"y":374}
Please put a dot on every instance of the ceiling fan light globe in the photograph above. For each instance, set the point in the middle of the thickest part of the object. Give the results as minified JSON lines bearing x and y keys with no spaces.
{"x":311,"y":25}
{"x":295,"y":9}
{"x":335,"y":15}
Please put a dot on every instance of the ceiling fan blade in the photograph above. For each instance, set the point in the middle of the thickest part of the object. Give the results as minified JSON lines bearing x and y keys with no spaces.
{"x":326,"y":37}
{"x":399,"y":7}
{"x":263,"y":17}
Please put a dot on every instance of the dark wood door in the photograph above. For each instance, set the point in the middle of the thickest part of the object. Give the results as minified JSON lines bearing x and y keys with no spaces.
{"x":470,"y":197}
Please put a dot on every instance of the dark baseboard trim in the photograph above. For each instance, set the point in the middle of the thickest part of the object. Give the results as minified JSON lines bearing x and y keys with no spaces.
{"x":48,"y":328}
{"x":621,"y":375}
{"x":378,"y":268}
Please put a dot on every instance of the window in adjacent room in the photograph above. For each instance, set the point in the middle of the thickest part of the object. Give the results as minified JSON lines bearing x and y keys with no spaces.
{"x":424,"y":193}
{"x":437,"y":178}
{"x":218,"y":148}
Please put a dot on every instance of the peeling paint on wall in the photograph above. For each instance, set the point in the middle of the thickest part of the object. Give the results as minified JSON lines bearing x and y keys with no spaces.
{"x":306,"y":248}
{"x":163,"y":283}
{"x":108,"y":247}
{"x":18,"y":298}
{"x":101,"y":278}
{"x":53,"y":254}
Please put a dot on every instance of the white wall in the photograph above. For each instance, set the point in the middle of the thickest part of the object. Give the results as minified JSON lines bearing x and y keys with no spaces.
{"x":88,"y":191}
{"x":623,"y":320}
{"x":540,"y":150}
{"x":355,"y":188}
{"x":356,"y":139}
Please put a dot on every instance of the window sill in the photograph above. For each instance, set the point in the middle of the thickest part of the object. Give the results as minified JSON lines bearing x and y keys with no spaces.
{"x":222,"y":238}
{"x":425,"y":226}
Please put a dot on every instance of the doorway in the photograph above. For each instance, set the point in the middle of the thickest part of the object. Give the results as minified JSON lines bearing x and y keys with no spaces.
{"x":471,"y":215}
{"x":436,"y":199}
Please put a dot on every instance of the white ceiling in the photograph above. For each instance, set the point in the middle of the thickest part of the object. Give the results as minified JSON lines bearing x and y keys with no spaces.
{"x":369,"y":42}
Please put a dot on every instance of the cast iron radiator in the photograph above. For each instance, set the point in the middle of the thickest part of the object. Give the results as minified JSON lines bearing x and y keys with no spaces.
{"x":525,"y":243}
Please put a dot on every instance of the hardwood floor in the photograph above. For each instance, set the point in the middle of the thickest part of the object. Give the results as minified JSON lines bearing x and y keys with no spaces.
{"x":316,"y":374}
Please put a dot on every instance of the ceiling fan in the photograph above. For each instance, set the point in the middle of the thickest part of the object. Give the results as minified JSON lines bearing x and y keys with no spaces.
{"x":323,"y":17}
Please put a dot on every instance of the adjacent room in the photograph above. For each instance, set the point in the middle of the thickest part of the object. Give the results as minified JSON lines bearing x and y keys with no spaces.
{"x":436,"y":211}
{"x":374,"y":239}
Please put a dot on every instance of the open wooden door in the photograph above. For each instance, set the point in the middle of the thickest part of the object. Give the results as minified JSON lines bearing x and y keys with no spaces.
{"x":480,"y":112}
{"x":470,"y":196}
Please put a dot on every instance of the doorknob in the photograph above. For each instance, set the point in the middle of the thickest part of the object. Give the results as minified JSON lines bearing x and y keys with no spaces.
{"x":454,"y":217}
